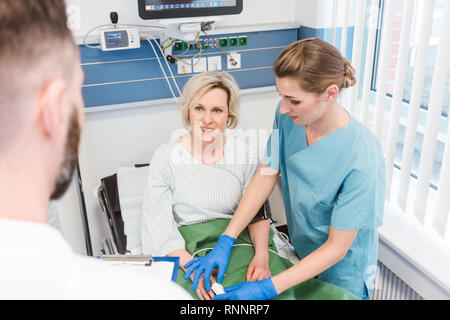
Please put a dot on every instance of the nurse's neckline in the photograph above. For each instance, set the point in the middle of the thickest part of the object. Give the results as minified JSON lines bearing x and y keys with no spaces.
{"x":347,"y":123}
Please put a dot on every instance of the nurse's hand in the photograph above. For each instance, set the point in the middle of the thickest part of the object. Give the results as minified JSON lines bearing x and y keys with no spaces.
{"x":259,"y":290}
{"x":258,"y":268}
{"x":218,"y":257}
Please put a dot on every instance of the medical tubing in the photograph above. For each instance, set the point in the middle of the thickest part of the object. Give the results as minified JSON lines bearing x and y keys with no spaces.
{"x":184,"y":53}
{"x":89,"y":32}
{"x":235,"y":245}
{"x":198,"y":54}
{"x":168,"y":66}
{"x":162,"y":69}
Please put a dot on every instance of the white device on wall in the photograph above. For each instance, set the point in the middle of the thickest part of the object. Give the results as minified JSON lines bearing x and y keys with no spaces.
{"x":120,"y":39}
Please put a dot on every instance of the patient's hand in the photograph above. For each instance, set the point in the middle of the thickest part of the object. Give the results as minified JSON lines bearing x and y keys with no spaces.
{"x":258,"y":268}
{"x":185,"y":256}
{"x":201,"y":290}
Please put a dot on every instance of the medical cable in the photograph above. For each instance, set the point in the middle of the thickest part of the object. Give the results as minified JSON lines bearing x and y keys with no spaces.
{"x":236,"y":245}
{"x":189,"y":44}
{"x":89,"y":32}
{"x":198,"y":54}
{"x":169,"y":43}
{"x":164,"y":72}
{"x":184,"y":53}
{"x":167,"y":64}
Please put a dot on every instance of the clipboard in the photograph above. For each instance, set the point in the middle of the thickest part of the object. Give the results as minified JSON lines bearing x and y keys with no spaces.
{"x":162,"y":265}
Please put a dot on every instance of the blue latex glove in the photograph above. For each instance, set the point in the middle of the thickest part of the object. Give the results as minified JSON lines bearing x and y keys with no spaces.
{"x":219,"y":257}
{"x":258,"y":290}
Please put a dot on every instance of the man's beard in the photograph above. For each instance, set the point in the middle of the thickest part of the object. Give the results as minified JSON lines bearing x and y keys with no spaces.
{"x":70,"y":158}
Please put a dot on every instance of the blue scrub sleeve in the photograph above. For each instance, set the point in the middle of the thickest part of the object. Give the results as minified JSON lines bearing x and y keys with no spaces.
{"x":360,"y":203}
{"x":272,"y":154}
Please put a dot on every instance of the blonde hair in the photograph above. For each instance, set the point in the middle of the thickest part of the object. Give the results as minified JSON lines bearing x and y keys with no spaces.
{"x":200,"y":84}
{"x":315,"y":64}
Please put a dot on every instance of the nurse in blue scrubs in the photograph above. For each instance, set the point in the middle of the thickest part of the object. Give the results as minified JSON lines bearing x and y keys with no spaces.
{"x":333,"y":179}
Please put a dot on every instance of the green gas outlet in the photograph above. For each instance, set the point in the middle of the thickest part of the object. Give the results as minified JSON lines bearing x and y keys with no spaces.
{"x":243,"y":41}
{"x":223,"y":42}
{"x":178,"y":46}
{"x":233,"y":42}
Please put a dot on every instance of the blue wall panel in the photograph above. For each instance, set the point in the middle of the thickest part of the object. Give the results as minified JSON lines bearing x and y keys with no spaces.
{"x":158,"y":89}
{"x":125,"y":76}
{"x":145,"y":69}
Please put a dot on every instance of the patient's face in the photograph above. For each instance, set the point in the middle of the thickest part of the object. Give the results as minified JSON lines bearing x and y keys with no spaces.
{"x":209,"y":115}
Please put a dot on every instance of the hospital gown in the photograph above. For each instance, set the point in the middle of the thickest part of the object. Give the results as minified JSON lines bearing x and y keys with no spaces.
{"x":182,"y":191}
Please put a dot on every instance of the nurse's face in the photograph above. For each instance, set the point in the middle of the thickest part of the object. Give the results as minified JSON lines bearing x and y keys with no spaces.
{"x":209,"y":114}
{"x":302,"y":107}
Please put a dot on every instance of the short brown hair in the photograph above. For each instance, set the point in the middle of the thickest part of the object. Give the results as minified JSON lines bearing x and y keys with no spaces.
{"x":316,"y":64}
{"x":35,"y":45}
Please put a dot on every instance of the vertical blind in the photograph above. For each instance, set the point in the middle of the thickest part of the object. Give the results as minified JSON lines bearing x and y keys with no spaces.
{"x":399,"y":21}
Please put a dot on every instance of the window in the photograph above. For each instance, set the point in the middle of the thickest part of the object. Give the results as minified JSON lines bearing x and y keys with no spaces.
{"x":429,"y":70}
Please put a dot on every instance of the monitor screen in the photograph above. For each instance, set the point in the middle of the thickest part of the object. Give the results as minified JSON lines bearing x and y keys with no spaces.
{"x":116,"y":39}
{"x":160,"y":9}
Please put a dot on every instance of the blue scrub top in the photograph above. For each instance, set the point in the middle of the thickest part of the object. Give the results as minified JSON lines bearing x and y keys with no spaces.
{"x":338,"y":181}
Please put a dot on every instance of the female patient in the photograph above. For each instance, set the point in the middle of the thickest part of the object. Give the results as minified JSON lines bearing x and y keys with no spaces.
{"x":201,"y":176}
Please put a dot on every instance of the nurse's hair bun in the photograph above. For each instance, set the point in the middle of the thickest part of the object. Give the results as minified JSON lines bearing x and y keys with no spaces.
{"x":349,"y":74}
{"x":315,"y":64}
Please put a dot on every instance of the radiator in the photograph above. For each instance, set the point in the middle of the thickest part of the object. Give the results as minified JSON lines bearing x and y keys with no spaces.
{"x":390,"y":287}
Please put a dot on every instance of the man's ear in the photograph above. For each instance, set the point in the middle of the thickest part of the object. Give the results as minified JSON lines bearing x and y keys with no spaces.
{"x":331,"y":93}
{"x":50,"y":107}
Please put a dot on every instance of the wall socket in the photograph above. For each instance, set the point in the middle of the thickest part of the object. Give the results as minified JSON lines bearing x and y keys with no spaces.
{"x":199,"y":64}
{"x":184,"y":66}
{"x":236,"y":64}
{"x":215,"y":63}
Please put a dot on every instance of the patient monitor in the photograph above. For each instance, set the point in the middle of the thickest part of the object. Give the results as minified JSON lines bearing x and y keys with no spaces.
{"x":169,"y":9}
{"x":185,"y":18}
{"x":120,"y":39}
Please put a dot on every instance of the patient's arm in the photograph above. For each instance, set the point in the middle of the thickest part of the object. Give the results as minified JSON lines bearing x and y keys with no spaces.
{"x":185,"y":257}
{"x":259,"y":266}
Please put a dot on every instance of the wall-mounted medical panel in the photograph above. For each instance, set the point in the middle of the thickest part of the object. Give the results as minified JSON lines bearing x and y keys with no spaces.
{"x":127,"y":76}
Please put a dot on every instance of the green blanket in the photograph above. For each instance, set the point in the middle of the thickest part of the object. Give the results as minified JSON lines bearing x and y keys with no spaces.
{"x":204,"y":235}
